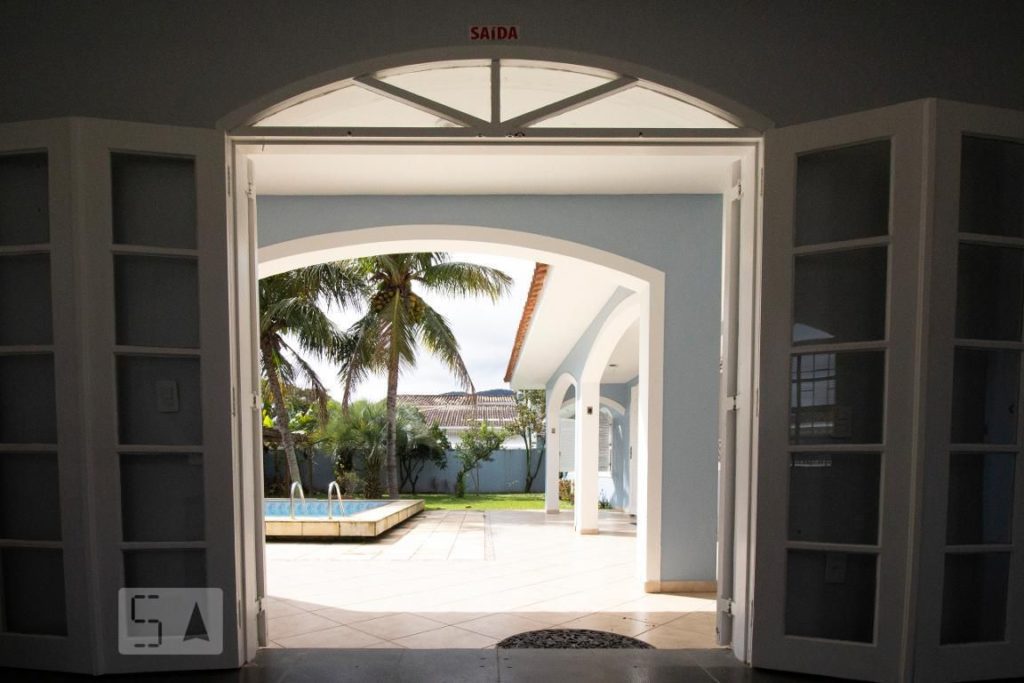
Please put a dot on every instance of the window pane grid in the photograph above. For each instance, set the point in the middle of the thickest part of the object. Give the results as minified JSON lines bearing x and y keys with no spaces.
{"x":985,"y":432}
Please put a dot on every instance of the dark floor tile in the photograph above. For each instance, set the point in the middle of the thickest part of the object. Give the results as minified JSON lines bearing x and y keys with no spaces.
{"x":599,"y":666}
{"x":454,"y":666}
{"x":744,"y":674}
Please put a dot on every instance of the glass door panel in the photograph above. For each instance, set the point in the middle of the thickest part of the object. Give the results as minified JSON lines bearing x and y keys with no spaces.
{"x":991,"y":186}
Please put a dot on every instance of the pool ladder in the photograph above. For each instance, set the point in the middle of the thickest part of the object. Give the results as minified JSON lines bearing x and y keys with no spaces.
{"x":291,"y":498}
{"x":334,"y":486}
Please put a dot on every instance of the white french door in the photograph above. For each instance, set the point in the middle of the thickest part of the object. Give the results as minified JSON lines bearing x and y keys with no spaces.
{"x":838,"y":366}
{"x":115,"y":387}
{"x":46,"y":611}
{"x":889,"y":520}
{"x":970,"y":606}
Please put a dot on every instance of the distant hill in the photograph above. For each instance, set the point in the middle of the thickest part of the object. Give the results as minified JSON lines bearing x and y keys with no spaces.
{"x":487,"y":392}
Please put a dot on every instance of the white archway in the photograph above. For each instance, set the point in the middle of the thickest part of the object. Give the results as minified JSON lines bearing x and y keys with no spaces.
{"x":588,"y":400}
{"x":647,"y":303}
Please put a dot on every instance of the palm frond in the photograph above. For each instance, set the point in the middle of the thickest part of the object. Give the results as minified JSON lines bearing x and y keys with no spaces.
{"x":466,"y":279}
{"x":439,"y":339}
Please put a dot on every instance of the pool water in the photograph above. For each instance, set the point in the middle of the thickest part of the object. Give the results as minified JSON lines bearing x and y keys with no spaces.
{"x":279,"y":507}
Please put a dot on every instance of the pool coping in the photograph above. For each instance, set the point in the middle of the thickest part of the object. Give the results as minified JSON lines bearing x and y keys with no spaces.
{"x":366,"y":524}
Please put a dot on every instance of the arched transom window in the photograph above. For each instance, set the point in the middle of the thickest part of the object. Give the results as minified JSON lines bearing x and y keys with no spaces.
{"x":496,"y":98}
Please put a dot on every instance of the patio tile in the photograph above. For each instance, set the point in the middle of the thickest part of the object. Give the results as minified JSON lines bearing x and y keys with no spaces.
{"x":397,"y":626}
{"x":506,"y":571}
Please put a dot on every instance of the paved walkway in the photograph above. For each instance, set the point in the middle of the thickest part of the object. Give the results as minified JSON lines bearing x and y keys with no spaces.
{"x":469,"y":579}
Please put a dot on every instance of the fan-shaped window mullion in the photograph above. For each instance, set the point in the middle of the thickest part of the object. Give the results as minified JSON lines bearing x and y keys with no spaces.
{"x":494,"y":98}
{"x":424,"y":104}
{"x":572,"y":102}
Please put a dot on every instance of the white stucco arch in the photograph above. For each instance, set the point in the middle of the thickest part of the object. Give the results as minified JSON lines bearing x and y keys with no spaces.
{"x":647,"y":302}
{"x":610,"y":403}
{"x":619,"y":320}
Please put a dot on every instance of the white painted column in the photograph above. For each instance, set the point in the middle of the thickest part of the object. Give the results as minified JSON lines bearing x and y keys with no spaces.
{"x":552,"y":448}
{"x":633,"y":482}
{"x":588,"y":411}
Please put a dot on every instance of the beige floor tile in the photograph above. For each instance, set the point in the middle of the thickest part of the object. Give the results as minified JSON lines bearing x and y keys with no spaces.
{"x":397,"y":626}
{"x":449,"y":637}
{"x":549,"y":619}
{"x":665,"y":637}
{"x":612,"y":623}
{"x":336,"y":637}
{"x":501,"y":626}
{"x":280,"y":608}
{"x":348,"y":616}
{"x":451,"y":618}
{"x":295,"y":624}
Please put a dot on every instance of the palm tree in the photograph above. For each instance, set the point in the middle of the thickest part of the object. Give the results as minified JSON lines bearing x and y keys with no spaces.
{"x":398,"y":320}
{"x":361,"y":432}
{"x":291,"y":306}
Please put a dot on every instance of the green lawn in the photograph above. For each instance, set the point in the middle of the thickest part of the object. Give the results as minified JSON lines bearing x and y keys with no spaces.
{"x":485,"y":501}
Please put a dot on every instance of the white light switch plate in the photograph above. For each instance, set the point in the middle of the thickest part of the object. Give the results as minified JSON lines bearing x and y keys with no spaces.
{"x":167,"y":396}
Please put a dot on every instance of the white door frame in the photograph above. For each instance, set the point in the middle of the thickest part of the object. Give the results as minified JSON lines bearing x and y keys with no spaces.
{"x":284,"y":256}
{"x":746,"y":142}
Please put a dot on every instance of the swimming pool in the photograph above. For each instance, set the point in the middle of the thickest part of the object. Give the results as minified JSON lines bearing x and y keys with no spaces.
{"x":279,"y":507}
{"x":349,"y":518}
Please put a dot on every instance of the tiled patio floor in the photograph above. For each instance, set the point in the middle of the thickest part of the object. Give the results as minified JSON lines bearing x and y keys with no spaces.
{"x":469,"y":579}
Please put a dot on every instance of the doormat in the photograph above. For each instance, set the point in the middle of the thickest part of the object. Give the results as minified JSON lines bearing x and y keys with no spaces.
{"x":572,"y":639}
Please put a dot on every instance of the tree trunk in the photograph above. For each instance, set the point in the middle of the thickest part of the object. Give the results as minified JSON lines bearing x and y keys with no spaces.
{"x":391,"y":466}
{"x":529,"y":458}
{"x":281,"y":419}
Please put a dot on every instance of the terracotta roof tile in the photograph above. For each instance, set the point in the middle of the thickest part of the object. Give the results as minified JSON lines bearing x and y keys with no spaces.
{"x":540,"y":273}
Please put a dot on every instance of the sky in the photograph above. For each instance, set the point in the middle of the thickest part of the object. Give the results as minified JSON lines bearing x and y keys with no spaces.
{"x":485,"y":331}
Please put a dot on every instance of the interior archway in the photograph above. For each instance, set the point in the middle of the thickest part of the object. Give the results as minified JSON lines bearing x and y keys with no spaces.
{"x":700,"y":162}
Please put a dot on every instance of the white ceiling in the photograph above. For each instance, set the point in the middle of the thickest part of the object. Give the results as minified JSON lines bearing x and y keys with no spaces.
{"x":624,"y":363}
{"x":490,"y":169}
{"x":573,"y":294}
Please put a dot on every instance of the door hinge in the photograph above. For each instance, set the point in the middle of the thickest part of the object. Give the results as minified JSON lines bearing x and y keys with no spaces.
{"x":254,"y":397}
{"x":725,"y":606}
{"x":761,"y":184}
{"x":733,"y":403}
{"x":234,"y":401}
{"x":228,"y":169}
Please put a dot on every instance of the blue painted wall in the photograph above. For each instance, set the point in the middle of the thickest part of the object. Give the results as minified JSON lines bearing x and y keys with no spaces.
{"x":677,"y":234}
